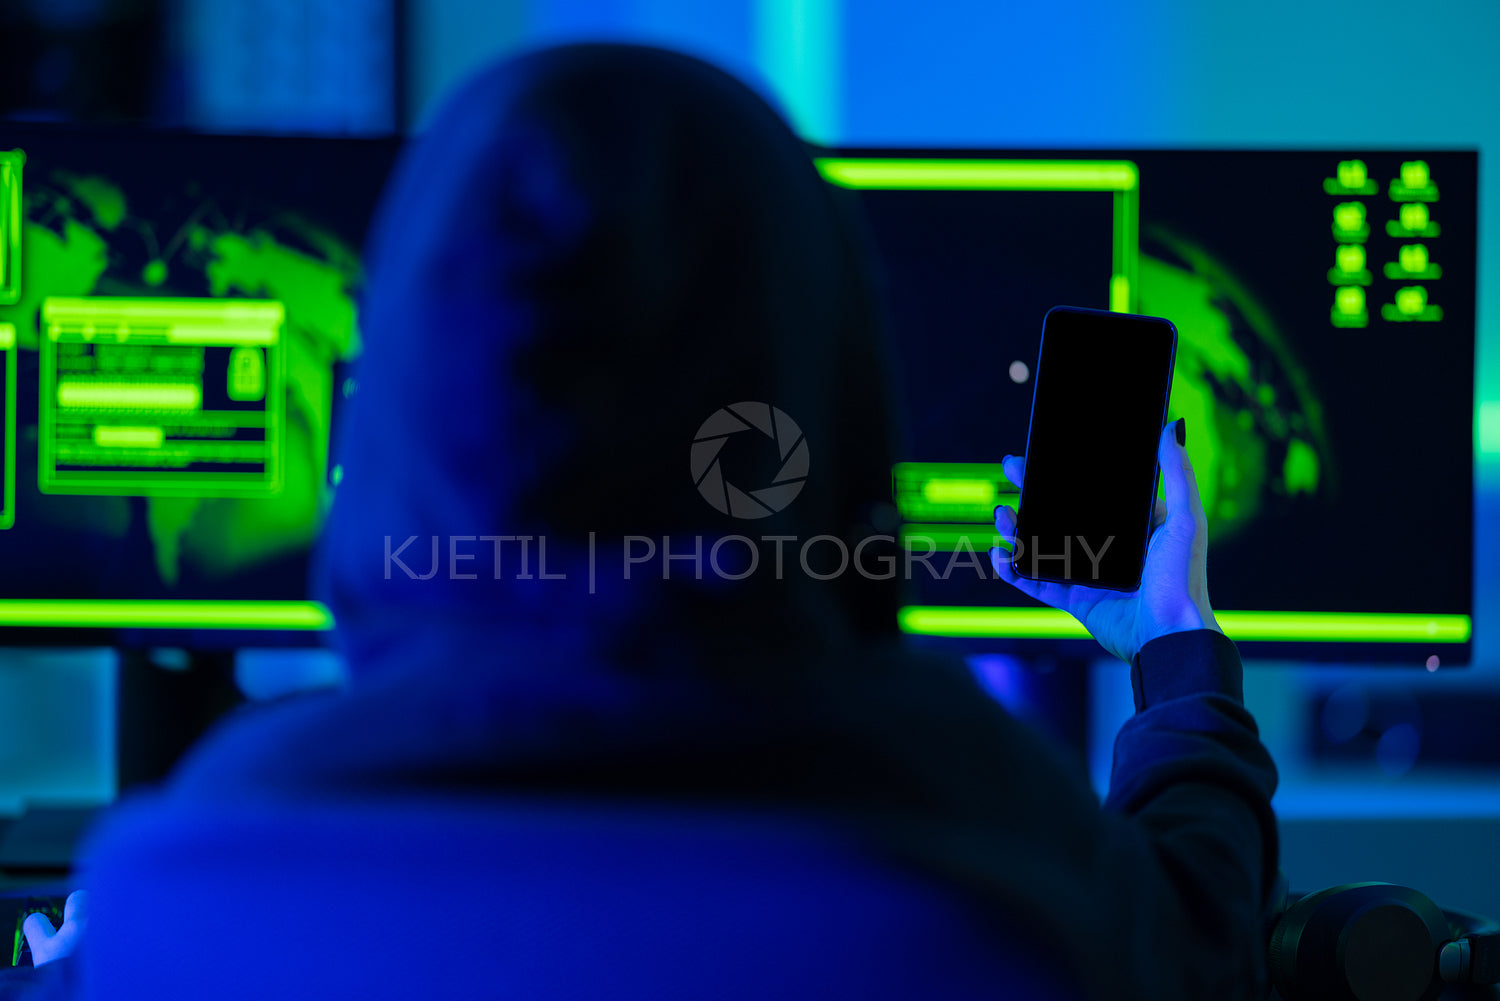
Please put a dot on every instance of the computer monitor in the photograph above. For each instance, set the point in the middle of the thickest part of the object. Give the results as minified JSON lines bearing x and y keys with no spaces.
{"x":177,"y":314}
{"x":1325,"y":303}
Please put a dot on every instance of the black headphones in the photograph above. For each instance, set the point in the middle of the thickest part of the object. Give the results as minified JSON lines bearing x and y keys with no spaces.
{"x":1378,"y":942}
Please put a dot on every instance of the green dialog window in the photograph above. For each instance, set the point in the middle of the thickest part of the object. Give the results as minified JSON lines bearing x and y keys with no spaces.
{"x":10,"y":226}
{"x":161,"y":397}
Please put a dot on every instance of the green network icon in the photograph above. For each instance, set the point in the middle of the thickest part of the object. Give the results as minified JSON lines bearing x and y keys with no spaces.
{"x":1414,"y":184}
{"x":1411,"y":305}
{"x":161,"y":397}
{"x":1349,"y":224}
{"x":1414,"y":220}
{"x":1351,"y":178}
{"x":11,"y":221}
{"x":1349,"y":265}
{"x":1412,"y":263}
{"x":1349,"y":307}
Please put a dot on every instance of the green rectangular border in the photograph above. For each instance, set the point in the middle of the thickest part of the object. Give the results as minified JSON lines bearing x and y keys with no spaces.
{"x":165,"y":484}
{"x":9,"y":346}
{"x":951,"y":174}
{"x":1302,"y":627}
{"x":11,"y":222}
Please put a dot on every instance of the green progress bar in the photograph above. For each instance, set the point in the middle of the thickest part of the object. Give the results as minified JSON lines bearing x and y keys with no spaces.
{"x":959,"y":175}
{"x":126,"y":614}
{"x":1317,"y":627}
{"x":95,"y":394}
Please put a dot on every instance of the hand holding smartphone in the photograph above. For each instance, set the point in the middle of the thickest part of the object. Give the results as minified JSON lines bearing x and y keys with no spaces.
{"x":1098,"y":407}
{"x":1089,"y":536}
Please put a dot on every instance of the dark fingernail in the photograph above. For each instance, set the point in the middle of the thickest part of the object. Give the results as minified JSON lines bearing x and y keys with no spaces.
{"x":1182,"y":431}
{"x":1006,"y":459}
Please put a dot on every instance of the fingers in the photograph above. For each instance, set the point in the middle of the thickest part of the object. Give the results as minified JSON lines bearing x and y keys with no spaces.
{"x":1158,"y":513}
{"x":76,"y":907}
{"x":48,"y":943}
{"x":38,"y":931}
{"x":1005,"y":527}
{"x":1014,"y":467}
{"x":1180,"y":484}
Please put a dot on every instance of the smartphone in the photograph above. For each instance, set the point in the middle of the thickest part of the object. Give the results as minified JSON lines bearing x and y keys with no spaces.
{"x":1098,"y":407}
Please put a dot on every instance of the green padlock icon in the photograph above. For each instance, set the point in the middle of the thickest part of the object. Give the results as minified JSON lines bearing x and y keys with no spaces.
{"x":247,"y":374}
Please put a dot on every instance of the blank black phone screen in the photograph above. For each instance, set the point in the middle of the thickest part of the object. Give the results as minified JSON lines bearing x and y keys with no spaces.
{"x":1097,"y":412}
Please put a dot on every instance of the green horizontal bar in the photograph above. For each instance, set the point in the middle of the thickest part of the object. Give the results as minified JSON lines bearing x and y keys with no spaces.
{"x":940,"y":490}
{"x":120,"y":309}
{"x":112,"y":394}
{"x":1009,"y":623}
{"x":981,"y":175}
{"x":1317,"y":627}
{"x":945,"y":538}
{"x":165,"y":614}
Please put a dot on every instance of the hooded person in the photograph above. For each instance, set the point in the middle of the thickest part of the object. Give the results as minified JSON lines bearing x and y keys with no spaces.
{"x":620,"y":338}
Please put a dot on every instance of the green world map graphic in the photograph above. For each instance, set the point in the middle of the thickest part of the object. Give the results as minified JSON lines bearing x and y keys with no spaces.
{"x":82,"y":238}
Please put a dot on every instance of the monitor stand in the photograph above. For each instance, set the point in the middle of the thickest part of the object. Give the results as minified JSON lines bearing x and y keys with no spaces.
{"x":166,"y":700}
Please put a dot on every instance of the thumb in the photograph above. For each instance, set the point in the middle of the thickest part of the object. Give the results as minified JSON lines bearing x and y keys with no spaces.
{"x":1178,"y":481}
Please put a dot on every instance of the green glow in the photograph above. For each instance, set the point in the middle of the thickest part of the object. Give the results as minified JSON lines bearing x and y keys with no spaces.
{"x":165,"y":614}
{"x":1317,"y":627}
{"x":1117,"y":176}
{"x":798,"y":48}
{"x":1351,"y":178}
{"x":950,"y":491}
{"x":1349,"y":307}
{"x":983,"y":175}
{"x":104,"y":357}
{"x":1411,"y":305}
{"x":1349,"y":225}
{"x":1412,"y":263}
{"x":11,"y":222}
{"x":1415,"y":183}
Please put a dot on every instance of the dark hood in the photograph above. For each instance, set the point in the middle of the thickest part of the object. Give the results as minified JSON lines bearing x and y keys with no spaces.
{"x":592,"y":250}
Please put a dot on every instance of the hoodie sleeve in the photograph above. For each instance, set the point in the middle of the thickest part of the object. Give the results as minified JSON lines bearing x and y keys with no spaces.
{"x":1191,"y":775}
